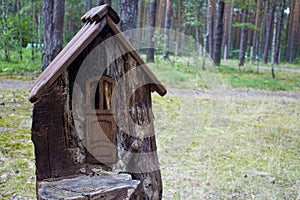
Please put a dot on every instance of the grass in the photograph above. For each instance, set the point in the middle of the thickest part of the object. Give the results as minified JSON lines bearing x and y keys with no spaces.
{"x":228,"y":147}
{"x":248,"y":78}
{"x":186,"y":73}
{"x":210,"y":146}
{"x":17,"y":179}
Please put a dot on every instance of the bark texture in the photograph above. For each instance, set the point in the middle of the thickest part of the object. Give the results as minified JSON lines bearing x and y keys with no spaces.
{"x":269,"y":31}
{"x":128,"y":10}
{"x":53,"y":15}
{"x":210,"y":26}
{"x":5,"y":42}
{"x":279,"y":32}
{"x":151,"y":48}
{"x":166,"y":31}
{"x":244,"y":39}
{"x":219,"y":33}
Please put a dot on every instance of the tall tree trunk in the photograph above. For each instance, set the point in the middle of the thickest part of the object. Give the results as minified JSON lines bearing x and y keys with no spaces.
{"x":279,"y":33}
{"x":227,"y":27}
{"x":244,"y":38}
{"x":90,"y":4}
{"x":269,"y":31}
{"x":128,"y":14}
{"x":255,"y":37}
{"x":141,"y":19}
{"x":101,"y":2}
{"x":274,"y":45}
{"x":263,"y":25}
{"x":295,"y":30}
{"x":151,"y":48}
{"x":31,"y":30}
{"x":160,"y":15}
{"x":20,"y":30}
{"x":178,"y":28}
{"x":5,"y":42}
{"x":229,"y":46}
{"x":289,"y":30}
{"x":219,"y":33}
{"x":210,"y":24}
{"x":39,"y":29}
{"x":53,"y":15}
{"x":166,"y":31}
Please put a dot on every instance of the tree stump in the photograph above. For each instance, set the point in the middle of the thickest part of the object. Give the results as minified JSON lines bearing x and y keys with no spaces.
{"x":103,"y":186}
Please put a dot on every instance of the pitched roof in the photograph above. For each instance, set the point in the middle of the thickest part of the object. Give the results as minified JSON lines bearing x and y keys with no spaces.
{"x":95,"y":20}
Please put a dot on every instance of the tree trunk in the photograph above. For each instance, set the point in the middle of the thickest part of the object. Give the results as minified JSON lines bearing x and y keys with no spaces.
{"x":244,"y":38}
{"x":219,"y":33}
{"x":160,"y":16}
{"x":166,"y":31}
{"x":295,"y":30}
{"x":20,"y":30}
{"x":289,"y":30}
{"x":229,"y":46}
{"x":255,"y":37}
{"x":39,"y":29}
{"x":53,"y":15}
{"x":101,"y":2}
{"x":31,"y":30}
{"x":269,"y":32}
{"x":151,"y":48}
{"x":227,"y":29}
{"x":5,"y":42}
{"x":274,"y":45}
{"x":279,"y":33}
{"x":128,"y":14}
{"x":178,"y":28}
{"x":210,"y":24}
{"x":90,"y":4}
{"x":141,"y":19}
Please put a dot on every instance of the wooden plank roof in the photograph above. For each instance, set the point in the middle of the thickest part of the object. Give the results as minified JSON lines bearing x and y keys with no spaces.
{"x":95,"y":20}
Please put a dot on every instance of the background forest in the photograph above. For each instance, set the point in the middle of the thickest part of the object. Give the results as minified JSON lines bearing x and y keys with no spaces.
{"x":252,"y":30}
{"x":228,"y":127}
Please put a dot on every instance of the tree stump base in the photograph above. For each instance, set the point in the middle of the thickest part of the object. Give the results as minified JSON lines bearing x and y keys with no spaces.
{"x":108,"y":186}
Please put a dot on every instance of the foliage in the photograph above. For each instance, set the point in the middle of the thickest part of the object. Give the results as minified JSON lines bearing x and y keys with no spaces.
{"x":20,"y":66}
{"x":248,"y":25}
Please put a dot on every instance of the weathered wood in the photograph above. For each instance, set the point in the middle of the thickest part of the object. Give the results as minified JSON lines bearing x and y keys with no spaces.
{"x":158,"y":87}
{"x":136,"y":141}
{"x":97,"y":13}
{"x":107,"y":125}
{"x":59,"y":65}
{"x":48,"y":135}
{"x":107,"y":186}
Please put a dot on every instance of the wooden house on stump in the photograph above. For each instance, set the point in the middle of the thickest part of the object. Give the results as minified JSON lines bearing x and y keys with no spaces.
{"x":92,"y":123}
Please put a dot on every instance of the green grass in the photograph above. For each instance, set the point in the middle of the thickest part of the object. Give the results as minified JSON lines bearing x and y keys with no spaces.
{"x":210,"y":146}
{"x":17,"y":168}
{"x":248,"y":78}
{"x":228,"y":147}
{"x":186,"y":73}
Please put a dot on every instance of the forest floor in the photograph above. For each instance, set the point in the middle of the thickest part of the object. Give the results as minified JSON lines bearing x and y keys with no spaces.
{"x":222,"y":143}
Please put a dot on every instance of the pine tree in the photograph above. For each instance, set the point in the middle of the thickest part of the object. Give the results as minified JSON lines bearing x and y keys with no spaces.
{"x":53,"y":15}
{"x":219,"y":33}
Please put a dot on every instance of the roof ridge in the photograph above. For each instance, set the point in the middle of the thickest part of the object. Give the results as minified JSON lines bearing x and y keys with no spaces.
{"x":97,"y":13}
